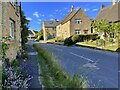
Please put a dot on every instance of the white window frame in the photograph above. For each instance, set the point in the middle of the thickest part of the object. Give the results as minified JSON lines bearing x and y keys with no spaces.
{"x":78,"y":21}
{"x":77,"y":31}
{"x":12,"y":29}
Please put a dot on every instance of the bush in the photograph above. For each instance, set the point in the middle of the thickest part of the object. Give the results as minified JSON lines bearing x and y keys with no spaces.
{"x":100,"y":42}
{"x":68,"y":41}
{"x":75,"y":38}
{"x":111,"y":40}
{"x":80,"y":38}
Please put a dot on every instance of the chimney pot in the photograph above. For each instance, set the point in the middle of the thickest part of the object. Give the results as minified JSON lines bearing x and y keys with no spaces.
{"x":102,"y":7}
{"x":114,"y":1}
{"x":55,"y":19}
{"x":72,"y":8}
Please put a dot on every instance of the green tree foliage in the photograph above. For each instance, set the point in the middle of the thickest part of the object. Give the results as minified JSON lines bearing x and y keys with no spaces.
{"x":39,"y":35}
{"x":102,"y":27}
{"x":24,"y":27}
{"x":75,"y":38}
{"x":106,"y":28}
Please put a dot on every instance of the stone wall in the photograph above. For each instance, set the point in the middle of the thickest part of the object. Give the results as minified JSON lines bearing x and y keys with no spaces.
{"x":59,"y":31}
{"x":8,"y":13}
{"x":0,"y":30}
{"x":66,"y":30}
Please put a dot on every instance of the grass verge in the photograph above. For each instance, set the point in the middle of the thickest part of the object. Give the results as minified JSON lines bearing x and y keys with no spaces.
{"x":52,"y":75}
{"x":108,"y":47}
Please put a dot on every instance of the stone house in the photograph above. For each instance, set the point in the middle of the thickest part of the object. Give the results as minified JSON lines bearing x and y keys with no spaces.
{"x":32,"y":34}
{"x":111,"y":14}
{"x":10,"y":26}
{"x":49,"y":29}
{"x":76,"y":22}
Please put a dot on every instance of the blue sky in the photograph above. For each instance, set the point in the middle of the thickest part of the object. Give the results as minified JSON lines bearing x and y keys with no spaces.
{"x":37,"y":12}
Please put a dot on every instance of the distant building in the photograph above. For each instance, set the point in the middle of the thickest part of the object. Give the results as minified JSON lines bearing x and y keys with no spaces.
{"x":32,"y":34}
{"x":10,"y":26}
{"x":49,"y":29}
{"x":76,"y":22}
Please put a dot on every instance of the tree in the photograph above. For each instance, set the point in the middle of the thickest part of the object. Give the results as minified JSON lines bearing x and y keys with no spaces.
{"x":39,"y":35}
{"x":102,"y":27}
{"x":24,"y":27}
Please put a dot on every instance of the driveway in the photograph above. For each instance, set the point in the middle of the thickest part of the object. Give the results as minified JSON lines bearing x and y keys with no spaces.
{"x":100,"y":68}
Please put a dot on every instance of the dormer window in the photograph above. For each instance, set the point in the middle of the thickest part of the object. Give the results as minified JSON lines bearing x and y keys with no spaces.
{"x":51,"y":22}
{"x":78,"y":21}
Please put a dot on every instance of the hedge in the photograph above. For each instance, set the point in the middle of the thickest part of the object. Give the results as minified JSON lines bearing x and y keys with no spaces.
{"x":80,"y":38}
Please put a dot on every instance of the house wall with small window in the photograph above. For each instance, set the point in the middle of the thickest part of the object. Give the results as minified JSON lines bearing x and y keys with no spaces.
{"x":80,"y":23}
{"x":11,"y":27}
{"x":50,"y":30}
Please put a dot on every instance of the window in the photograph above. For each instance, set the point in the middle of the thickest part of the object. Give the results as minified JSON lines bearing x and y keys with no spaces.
{"x":12,"y":28}
{"x":78,"y":21}
{"x":77,"y":31}
{"x":85,"y":31}
{"x":111,"y":35}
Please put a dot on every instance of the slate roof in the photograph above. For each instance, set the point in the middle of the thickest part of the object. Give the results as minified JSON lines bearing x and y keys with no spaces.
{"x":70,"y":16}
{"x":51,"y":23}
{"x":30,"y":32}
{"x":110,"y":13}
{"x":35,"y":31}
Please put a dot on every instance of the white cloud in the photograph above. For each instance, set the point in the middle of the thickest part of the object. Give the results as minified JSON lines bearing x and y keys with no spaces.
{"x":39,"y":20}
{"x":95,"y":9}
{"x":36,"y":14}
{"x":28,"y":18}
{"x":65,"y":8}
{"x":51,"y":19}
{"x":56,"y":10}
{"x":51,"y":15}
{"x":42,"y":15}
{"x":86,"y":9}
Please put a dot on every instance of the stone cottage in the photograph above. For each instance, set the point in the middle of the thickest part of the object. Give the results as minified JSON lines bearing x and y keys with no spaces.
{"x":49,"y":29}
{"x":76,"y":22}
{"x":10,"y":26}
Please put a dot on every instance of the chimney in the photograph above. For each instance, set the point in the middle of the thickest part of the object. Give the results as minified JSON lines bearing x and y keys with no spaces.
{"x":113,"y":2}
{"x":55,"y":19}
{"x":72,"y":8}
{"x":102,"y":7}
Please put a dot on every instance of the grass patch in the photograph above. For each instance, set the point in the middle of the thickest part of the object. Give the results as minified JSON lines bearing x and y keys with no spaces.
{"x":51,"y":40}
{"x":93,"y":44}
{"x":53,"y":76}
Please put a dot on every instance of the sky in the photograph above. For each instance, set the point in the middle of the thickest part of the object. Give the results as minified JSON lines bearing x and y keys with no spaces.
{"x":38,"y":12}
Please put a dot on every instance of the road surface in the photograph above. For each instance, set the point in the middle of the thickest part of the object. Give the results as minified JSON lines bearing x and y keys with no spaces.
{"x":100,"y":68}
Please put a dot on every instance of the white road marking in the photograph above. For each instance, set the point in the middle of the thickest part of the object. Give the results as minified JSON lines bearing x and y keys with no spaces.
{"x":32,"y":53}
{"x":82,"y":57}
{"x":89,"y":65}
